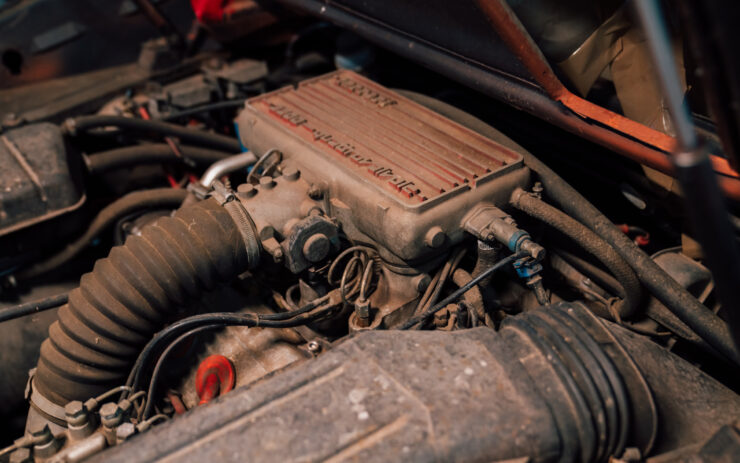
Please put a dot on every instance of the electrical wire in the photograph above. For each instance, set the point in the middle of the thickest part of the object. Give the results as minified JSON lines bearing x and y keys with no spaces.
{"x":465,"y":288}
{"x":340,"y":257}
{"x":28,"y":308}
{"x":290,"y":319}
{"x":350,"y":278}
{"x":156,"y":373}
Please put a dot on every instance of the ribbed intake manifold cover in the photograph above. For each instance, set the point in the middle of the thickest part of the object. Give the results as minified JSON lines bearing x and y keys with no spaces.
{"x":402,"y":166}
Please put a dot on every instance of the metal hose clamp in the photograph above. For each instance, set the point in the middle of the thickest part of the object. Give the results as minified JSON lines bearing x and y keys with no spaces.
{"x":246,"y":228}
{"x":229,"y":201}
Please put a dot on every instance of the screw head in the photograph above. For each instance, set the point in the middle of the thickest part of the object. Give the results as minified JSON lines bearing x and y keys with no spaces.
{"x":314,"y":347}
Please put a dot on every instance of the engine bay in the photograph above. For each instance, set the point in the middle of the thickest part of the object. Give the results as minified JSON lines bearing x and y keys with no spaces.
{"x":303,"y":246}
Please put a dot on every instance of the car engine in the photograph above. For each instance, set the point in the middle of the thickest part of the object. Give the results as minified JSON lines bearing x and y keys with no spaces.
{"x":279,"y":238}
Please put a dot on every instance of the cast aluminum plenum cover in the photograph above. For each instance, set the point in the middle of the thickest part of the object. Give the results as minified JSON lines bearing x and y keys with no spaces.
{"x":401,"y":146}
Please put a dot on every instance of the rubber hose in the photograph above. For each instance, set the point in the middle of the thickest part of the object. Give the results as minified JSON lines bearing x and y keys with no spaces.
{"x":195,"y":137}
{"x":131,"y":294}
{"x":132,"y":202}
{"x":682,"y":303}
{"x":155,"y":153}
{"x":631,"y":291}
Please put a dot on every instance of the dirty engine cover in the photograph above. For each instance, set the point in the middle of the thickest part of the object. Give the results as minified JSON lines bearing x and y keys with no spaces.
{"x":398,"y":166}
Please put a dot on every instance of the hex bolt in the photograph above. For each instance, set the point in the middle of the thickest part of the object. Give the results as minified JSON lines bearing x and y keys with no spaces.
{"x":111,"y":415}
{"x":291,"y":174}
{"x":76,"y":413}
{"x":435,"y":237}
{"x":21,"y":456}
{"x":125,"y":432}
{"x":316,"y":247}
{"x":315,"y":192}
{"x":267,"y":182}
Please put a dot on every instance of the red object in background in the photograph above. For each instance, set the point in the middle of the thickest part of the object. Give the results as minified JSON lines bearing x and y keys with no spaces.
{"x":209,"y":11}
{"x":215,"y":376}
{"x":642,"y":238}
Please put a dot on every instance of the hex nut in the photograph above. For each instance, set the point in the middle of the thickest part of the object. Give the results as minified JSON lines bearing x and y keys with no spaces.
{"x":125,"y":432}
{"x":435,"y":237}
{"x":111,"y":415}
{"x":316,"y":247}
{"x":362,"y":313}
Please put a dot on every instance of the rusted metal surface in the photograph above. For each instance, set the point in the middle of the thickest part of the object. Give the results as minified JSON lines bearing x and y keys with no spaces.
{"x":519,"y":41}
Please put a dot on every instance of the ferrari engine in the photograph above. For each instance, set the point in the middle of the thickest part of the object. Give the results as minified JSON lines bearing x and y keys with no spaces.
{"x":234,"y":259}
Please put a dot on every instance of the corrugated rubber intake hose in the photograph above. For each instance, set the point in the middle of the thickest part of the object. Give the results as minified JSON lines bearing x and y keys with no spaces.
{"x":588,"y":241}
{"x":132,"y":293}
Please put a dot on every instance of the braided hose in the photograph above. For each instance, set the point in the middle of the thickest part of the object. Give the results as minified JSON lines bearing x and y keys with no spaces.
{"x":131,"y":294}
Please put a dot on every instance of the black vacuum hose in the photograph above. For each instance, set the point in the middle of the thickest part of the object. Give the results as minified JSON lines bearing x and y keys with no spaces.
{"x":135,"y":201}
{"x":686,"y":307}
{"x":161,"y":129}
{"x":631,"y":291}
{"x":153,"y":153}
{"x":131,"y":294}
